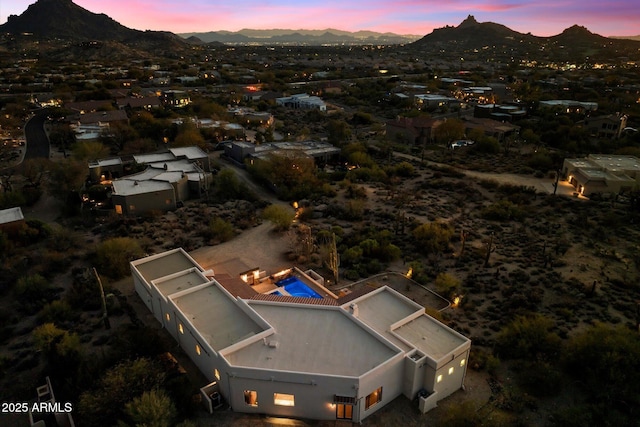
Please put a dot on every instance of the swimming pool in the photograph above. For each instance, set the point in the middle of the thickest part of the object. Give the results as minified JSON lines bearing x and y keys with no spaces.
{"x":297,"y":288}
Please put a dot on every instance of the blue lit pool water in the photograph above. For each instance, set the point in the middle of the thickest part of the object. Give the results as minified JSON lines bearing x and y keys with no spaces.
{"x":296,"y":288}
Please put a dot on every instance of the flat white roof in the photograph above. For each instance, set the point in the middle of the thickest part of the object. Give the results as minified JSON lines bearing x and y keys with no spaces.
{"x":180,"y":281}
{"x":313,"y":339}
{"x":188,"y":152}
{"x":216,"y":316}
{"x":431,"y":337}
{"x":154,"y":157}
{"x":160,"y":265}
{"x":11,"y":215}
{"x":126,"y":187}
{"x":381,"y":309}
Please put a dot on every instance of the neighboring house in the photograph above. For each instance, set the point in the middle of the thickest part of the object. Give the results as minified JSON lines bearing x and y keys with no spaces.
{"x":319,"y":357}
{"x":101,"y":117}
{"x":91,"y":132}
{"x":494,"y":128}
{"x":84,"y":107}
{"x":321,"y":152}
{"x":135,"y":197}
{"x":11,"y":221}
{"x":604,"y":174}
{"x":170,"y":177}
{"x":501,"y":113}
{"x":412,"y":130}
{"x":431,"y":100}
{"x":137,"y":103}
{"x":176,"y":98}
{"x":302,"y":101}
{"x":569,"y":106}
{"x":609,"y":127}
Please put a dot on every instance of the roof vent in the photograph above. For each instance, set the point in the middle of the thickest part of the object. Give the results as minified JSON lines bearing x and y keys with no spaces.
{"x":273,"y":344}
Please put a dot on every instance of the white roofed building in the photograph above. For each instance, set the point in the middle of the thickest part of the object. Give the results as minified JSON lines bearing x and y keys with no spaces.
{"x":323,"y":357}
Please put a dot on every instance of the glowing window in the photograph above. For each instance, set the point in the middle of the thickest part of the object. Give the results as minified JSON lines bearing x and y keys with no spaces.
{"x":251,"y":397}
{"x":198,"y":349}
{"x":439,"y":378}
{"x":180,"y":328}
{"x":373,"y":398}
{"x":462,"y":362}
{"x":168,"y":317}
{"x":451,"y":370}
{"x":283,"y":399}
{"x":216,"y":373}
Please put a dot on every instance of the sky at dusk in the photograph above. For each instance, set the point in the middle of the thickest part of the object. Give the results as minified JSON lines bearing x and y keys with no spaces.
{"x":420,"y":17}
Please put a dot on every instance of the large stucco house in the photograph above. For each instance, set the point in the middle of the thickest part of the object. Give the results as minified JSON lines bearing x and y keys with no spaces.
{"x":602,"y":173}
{"x":323,"y":357}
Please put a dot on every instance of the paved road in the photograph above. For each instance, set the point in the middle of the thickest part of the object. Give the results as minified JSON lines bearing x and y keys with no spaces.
{"x":37,"y":145}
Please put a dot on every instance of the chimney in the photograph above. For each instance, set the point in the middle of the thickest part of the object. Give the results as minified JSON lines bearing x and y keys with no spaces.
{"x":353,"y":309}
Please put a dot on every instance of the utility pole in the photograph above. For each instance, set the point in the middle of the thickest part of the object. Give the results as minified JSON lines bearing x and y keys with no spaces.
{"x":105,"y":317}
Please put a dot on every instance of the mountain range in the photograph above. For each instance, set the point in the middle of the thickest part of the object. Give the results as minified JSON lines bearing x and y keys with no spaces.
{"x":308,"y":37}
{"x":66,"y":25}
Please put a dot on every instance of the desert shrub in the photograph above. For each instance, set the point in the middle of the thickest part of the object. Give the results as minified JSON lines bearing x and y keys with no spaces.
{"x":446,"y":284}
{"x":61,"y":348}
{"x":529,"y":338}
{"x":503,"y":210}
{"x":464,"y":414}
{"x":480,"y":359}
{"x":605,"y":360}
{"x":58,"y":311}
{"x":152,"y":408}
{"x":113,"y":256}
{"x":84,"y":293}
{"x":488,"y":145}
{"x":354,"y":210}
{"x":433,"y":237}
{"x":104,"y":405}
{"x":221,"y":230}
{"x":351,"y":256}
{"x":280,"y":216}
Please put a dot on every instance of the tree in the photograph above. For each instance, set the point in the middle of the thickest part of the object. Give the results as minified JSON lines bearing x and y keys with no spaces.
{"x":113,"y":256}
{"x":66,"y":177}
{"x":449,"y":131}
{"x":152,"y":408}
{"x":280,"y":216}
{"x":86,"y":151}
{"x":339,"y":132}
{"x":189,"y":137}
{"x":34,"y":170}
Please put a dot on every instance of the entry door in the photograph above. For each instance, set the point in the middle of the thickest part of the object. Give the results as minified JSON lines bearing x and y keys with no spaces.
{"x":344,"y":411}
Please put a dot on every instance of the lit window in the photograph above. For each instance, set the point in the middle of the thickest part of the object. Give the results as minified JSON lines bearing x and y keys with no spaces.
{"x":439,"y":378}
{"x":283,"y":399}
{"x":216,"y":373}
{"x":251,"y":397}
{"x":451,"y":370}
{"x":180,"y":328}
{"x":373,"y":398}
{"x":198,"y":350}
{"x":462,"y":362}
{"x":168,"y":317}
